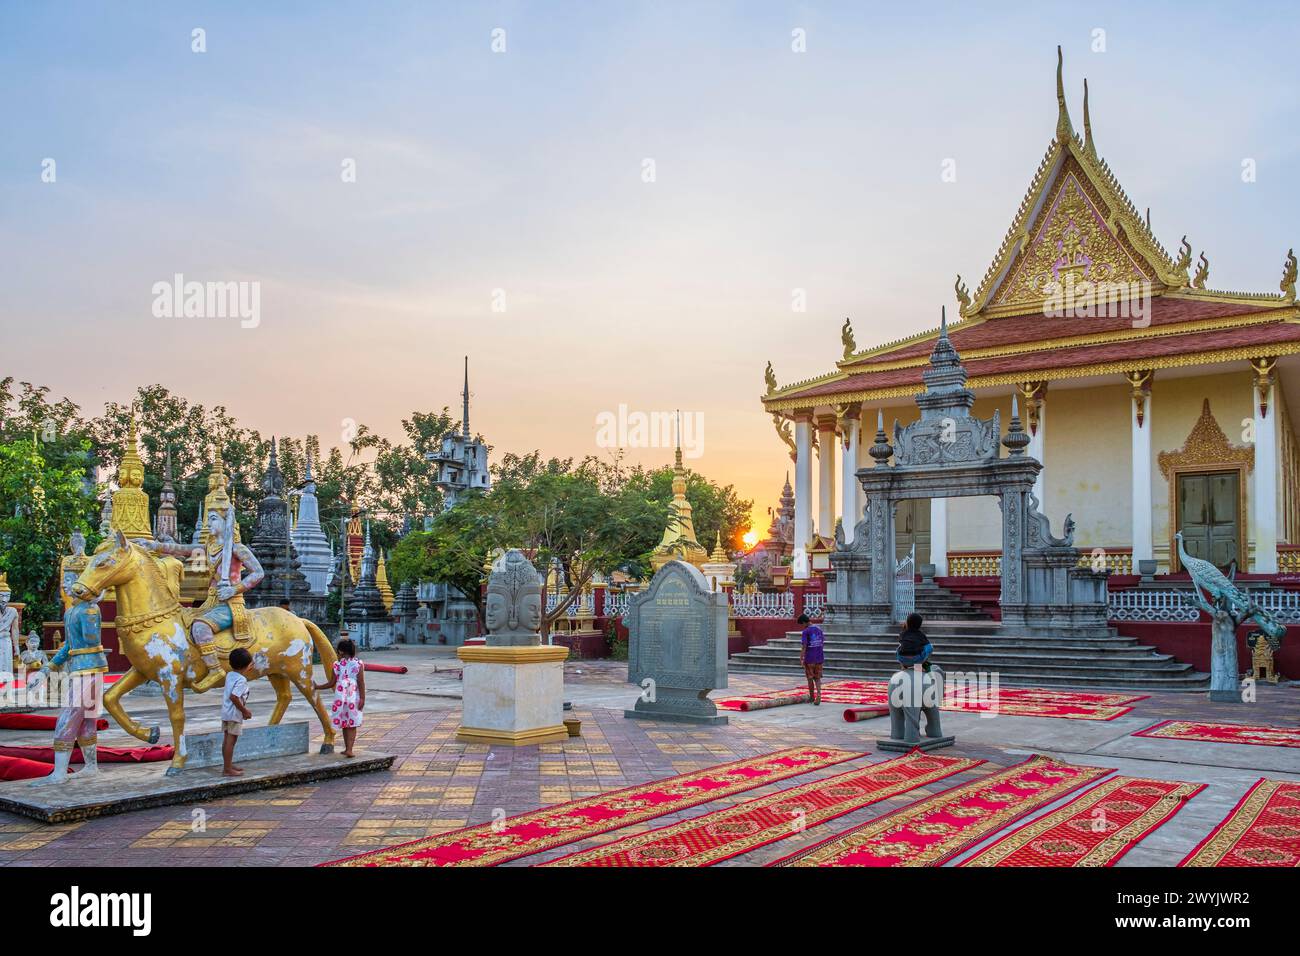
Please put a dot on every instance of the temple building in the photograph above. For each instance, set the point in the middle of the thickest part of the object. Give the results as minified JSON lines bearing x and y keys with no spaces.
{"x":309,"y":538}
{"x":1156,"y":403}
{"x":462,"y":462}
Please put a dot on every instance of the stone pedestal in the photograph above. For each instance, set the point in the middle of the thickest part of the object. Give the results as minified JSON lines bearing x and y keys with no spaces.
{"x":513,"y":695}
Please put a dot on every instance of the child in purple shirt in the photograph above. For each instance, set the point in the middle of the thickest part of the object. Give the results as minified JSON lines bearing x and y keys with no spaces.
{"x":812,"y":654}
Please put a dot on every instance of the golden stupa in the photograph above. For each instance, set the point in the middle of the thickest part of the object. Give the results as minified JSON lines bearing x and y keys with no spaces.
{"x":381,"y":582}
{"x":679,"y":542}
{"x":130,"y":503}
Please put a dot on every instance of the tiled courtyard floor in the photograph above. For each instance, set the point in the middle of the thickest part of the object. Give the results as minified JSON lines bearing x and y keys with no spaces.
{"x":438,"y":783}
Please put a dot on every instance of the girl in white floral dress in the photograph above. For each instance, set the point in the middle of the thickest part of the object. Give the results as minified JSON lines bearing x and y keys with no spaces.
{"x":349,"y":686}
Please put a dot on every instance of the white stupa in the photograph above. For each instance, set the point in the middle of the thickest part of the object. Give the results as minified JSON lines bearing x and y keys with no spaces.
{"x":313,"y":547}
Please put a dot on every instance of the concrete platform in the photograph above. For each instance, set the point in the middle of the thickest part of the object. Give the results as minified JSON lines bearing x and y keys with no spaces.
{"x":122,"y":788}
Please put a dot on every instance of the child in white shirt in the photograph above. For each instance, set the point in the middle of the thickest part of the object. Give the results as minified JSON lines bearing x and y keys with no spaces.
{"x":234,"y":708}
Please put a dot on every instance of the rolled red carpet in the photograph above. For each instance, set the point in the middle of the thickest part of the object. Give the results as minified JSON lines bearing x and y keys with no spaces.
{"x":37,"y":722}
{"x":384,"y":668}
{"x":16,"y":768}
{"x":864,"y":713}
{"x":105,"y":754}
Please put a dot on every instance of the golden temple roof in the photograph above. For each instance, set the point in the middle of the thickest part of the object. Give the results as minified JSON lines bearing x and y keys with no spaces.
{"x":1074,"y":224}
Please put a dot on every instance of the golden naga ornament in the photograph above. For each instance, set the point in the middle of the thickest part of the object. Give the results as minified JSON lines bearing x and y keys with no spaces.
{"x":769,"y":377}
{"x":1183,"y":266}
{"x":963,"y":295}
{"x":1202,"y":272}
{"x":1287,"y":285}
{"x":846,"y":339}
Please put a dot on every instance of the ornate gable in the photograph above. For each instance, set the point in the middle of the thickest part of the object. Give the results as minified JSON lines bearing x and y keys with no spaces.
{"x":1071,"y":242}
{"x":1075,"y":222}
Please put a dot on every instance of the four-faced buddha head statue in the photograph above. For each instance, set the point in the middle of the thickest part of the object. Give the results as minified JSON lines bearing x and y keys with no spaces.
{"x":514,"y":601}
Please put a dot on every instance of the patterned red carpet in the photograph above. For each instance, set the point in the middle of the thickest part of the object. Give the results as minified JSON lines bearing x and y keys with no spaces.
{"x":1263,"y":829}
{"x":1096,"y":828}
{"x":938,"y":828}
{"x":1224,"y":733}
{"x":488,"y":844}
{"x":729,"y":832}
{"x":1012,"y":701}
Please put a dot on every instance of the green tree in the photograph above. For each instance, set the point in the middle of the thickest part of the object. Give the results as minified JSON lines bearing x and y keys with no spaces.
{"x":714,"y":508}
{"x":41,"y":504}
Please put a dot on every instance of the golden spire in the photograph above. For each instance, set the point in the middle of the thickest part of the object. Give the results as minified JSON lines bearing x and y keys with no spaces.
{"x":381,"y":582}
{"x":679,"y":541}
{"x":1088,"y":146}
{"x":1064,"y":131}
{"x":130,"y":503}
{"x":718,"y":556}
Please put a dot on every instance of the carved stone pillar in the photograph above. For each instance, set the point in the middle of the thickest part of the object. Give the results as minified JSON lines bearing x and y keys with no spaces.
{"x":802,"y":494}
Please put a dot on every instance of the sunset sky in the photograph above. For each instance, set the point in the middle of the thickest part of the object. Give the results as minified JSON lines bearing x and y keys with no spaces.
{"x":524,"y":171}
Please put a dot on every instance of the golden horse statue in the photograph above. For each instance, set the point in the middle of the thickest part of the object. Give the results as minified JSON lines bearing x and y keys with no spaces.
{"x":152,"y":631}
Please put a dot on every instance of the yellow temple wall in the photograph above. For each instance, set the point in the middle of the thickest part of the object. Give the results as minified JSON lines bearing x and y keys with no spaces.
{"x":1088,"y":464}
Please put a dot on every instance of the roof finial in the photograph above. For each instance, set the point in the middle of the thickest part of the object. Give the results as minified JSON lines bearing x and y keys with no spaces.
{"x":465,"y":396}
{"x":1064,"y":131}
{"x":943,"y":321}
{"x":677,"y":457}
{"x":1088,"y":146}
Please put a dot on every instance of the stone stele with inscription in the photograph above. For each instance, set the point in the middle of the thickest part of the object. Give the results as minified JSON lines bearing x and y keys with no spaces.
{"x":677,"y":646}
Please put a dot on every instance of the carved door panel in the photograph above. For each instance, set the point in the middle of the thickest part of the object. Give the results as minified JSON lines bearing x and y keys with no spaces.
{"x":912,"y":527}
{"x":1208,"y":516}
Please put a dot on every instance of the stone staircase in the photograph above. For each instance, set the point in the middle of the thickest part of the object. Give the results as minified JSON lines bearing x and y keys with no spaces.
{"x":966,"y":640}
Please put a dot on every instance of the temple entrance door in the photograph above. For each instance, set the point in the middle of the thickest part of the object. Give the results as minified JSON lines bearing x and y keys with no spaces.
{"x":912,"y":527}
{"x":1208,"y":516}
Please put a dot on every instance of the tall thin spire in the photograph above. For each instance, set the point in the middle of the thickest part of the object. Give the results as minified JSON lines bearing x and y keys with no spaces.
{"x":1088,"y":145}
{"x":1064,"y":130}
{"x":465,"y":396}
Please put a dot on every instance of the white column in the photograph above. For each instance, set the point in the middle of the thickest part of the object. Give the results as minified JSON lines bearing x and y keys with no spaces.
{"x":826,"y":502}
{"x":802,"y":496}
{"x":849,"y":486}
{"x":939,"y":536}
{"x":1264,"y":501}
{"x":1141,"y":478}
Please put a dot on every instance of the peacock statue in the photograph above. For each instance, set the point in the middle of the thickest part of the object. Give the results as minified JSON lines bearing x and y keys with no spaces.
{"x":1219,"y":591}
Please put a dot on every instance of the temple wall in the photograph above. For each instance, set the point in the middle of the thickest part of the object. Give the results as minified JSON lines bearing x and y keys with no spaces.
{"x":1089,"y":464}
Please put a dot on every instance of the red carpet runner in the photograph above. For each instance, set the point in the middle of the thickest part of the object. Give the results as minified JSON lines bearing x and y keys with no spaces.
{"x":488,"y":844}
{"x":1224,"y":733}
{"x":1010,"y":701}
{"x":1263,"y":829}
{"x":37,"y":722}
{"x":1096,"y":828}
{"x":729,"y":832}
{"x":104,"y":754}
{"x":937,"y":828}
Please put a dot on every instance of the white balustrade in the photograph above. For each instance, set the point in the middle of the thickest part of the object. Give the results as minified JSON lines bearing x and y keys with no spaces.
{"x":1150,"y":605}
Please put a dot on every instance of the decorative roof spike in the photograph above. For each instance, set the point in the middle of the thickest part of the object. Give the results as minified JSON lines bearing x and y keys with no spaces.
{"x":846,"y":338}
{"x":1202,"y":272}
{"x":1288,"y":277}
{"x":1182,"y":267}
{"x":881,"y":451}
{"x":1015,"y":439}
{"x":963,"y":294}
{"x":1088,"y":145}
{"x":1064,"y":130}
{"x":769,"y":377}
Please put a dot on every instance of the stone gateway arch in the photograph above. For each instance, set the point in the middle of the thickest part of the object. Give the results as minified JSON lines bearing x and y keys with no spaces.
{"x":949,"y":453}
